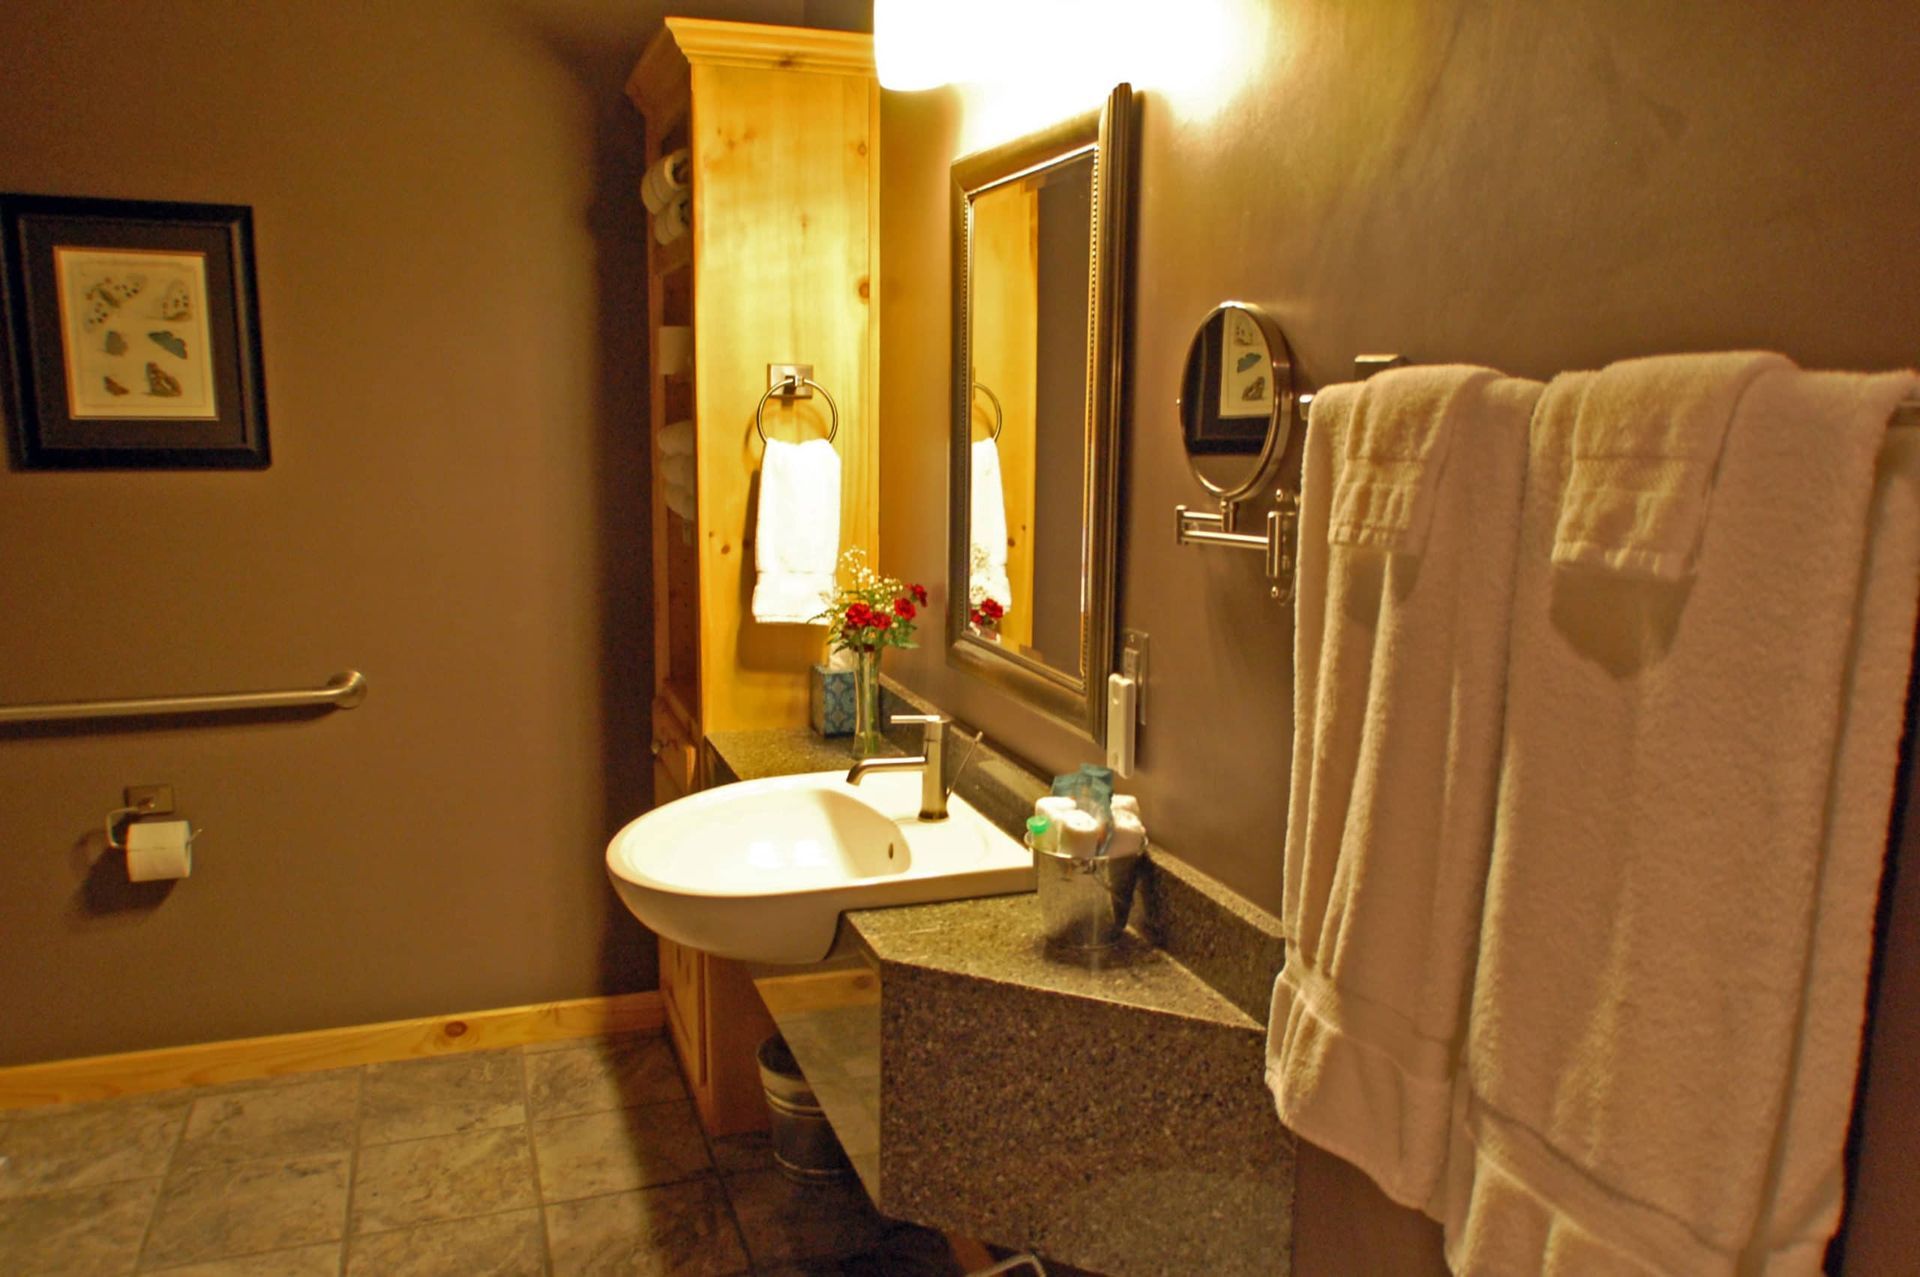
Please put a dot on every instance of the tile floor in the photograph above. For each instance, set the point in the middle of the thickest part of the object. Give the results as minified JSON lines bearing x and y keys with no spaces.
{"x":569,"y":1158}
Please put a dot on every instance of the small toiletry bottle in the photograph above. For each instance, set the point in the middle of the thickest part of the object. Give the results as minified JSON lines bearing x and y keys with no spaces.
{"x":1040,"y":833}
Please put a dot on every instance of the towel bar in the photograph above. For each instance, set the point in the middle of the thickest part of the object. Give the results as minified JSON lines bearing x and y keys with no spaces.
{"x":343,"y":691}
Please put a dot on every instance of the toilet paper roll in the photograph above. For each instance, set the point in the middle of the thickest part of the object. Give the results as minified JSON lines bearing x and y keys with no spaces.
{"x":158,"y":850}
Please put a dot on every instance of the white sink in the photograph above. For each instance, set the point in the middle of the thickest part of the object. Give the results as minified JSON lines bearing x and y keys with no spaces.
{"x":762,"y":870}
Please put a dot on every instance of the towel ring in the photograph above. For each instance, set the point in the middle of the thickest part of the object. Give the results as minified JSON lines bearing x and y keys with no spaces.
{"x":999,"y":417}
{"x":787,"y":387}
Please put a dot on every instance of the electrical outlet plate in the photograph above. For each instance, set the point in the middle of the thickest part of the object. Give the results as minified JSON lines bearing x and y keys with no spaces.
{"x":150,"y":800}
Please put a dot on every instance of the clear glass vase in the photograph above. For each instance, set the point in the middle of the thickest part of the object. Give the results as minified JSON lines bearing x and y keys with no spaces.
{"x":866,"y":702}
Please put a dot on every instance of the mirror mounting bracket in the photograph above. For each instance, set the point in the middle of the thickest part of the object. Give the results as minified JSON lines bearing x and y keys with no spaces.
{"x":1279,"y":542}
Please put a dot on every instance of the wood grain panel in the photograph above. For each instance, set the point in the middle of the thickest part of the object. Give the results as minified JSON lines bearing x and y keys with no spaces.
{"x":784,"y":250}
{"x":102,"y":1077}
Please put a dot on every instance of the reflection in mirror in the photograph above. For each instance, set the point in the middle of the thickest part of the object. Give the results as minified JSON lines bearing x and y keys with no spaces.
{"x":1039,"y":231}
{"x":1236,"y":400}
{"x":1028,"y":289}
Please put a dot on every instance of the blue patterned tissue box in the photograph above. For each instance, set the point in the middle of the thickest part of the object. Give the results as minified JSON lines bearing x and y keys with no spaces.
{"x":831,"y":700}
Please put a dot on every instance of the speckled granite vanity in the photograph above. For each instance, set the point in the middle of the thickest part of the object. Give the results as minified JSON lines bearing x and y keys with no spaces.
{"x":1107,"y":1112}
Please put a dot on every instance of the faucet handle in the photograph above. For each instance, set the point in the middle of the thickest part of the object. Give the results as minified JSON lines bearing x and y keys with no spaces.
{"x":903,"y":719}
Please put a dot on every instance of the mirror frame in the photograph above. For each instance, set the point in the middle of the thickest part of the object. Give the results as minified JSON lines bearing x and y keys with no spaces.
{"x":1279,"y":421}
{"x":1106,"y":134}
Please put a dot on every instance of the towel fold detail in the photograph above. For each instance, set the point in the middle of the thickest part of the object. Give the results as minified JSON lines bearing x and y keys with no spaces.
{"x":1647,"y":441}
{"x":1396,"y":448}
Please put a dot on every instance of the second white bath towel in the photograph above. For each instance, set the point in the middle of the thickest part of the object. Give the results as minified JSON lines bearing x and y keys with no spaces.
{"x":1399,"y":670}
{"x":797,"y":535}
{"x":1693,"y":803}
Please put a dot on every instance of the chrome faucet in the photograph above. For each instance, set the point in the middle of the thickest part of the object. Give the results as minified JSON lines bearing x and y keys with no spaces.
{"x":930,"y":761}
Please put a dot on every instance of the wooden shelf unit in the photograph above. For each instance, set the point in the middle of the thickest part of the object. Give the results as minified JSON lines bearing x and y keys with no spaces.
{"x":781,"y":266}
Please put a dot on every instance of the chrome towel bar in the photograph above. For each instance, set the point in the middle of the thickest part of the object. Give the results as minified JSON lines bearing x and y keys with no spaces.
{"x":343,"y":691}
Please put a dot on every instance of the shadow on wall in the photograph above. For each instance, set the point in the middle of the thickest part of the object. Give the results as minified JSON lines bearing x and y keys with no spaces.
{"x":622,"y":464}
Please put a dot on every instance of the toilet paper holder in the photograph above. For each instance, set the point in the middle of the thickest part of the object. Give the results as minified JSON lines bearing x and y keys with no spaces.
{"x":134,"y":813}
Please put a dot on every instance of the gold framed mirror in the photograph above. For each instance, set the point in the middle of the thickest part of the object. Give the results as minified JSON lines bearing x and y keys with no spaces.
{"x":1040,"y":229}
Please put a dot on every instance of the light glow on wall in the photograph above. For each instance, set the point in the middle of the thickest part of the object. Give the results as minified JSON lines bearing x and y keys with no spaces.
{"x":1024,"y":64}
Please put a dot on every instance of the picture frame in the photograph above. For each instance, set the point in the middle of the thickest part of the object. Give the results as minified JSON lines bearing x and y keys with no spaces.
{"x":131,"y":335}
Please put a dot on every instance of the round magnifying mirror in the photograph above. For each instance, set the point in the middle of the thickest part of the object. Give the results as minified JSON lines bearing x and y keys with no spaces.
{"x":1236,"y":400}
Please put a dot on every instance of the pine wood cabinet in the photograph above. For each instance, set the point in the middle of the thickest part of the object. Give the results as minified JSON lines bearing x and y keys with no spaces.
{"x":781,"y":266}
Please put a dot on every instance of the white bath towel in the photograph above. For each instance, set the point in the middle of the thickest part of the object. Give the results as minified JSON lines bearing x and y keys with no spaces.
{"x":797,"y":535}
{"x":987,"y":524}
{"x":1396,"y":448}
{"x":1646,"y":445}
{"x":1692,"y":814}
{"x":1399,"y":669}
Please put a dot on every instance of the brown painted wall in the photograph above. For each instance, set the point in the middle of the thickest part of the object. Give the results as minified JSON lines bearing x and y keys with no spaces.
{"x":1529,"y":186}
{"x":453,"y":306}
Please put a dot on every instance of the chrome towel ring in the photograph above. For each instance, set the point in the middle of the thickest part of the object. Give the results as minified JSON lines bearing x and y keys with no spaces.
{"x":788,"y":387}
{"x":999,"y":417}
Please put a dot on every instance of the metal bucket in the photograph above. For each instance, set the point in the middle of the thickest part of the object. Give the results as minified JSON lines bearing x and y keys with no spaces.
{"x":1084,"y":902}
{"x":804,"y":1145}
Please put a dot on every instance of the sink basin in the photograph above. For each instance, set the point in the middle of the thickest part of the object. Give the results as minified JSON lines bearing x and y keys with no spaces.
{"x":762,"y":870}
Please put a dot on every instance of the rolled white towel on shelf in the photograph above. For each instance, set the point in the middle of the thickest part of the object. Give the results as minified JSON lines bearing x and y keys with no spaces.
{"x":676,"y":439}
{"x":677,"y":469}
{"x":665,"y":179}
{"x":680,"y":500}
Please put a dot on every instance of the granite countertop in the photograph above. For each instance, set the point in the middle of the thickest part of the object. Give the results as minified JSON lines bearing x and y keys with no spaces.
{"x":778,"y":751}
{"x":999,"y":939}
{"x":989,"y":1062}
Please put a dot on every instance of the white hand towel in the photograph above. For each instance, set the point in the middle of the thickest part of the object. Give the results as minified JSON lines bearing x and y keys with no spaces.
{"x":1399,"y":671}
{"x":1646,"y":445}
{"x":797,"y":536}
{"x":664,"y":180}
{"x":987,"y":524}
{"x":1395,"y":452}
{"x":1672,"y":967}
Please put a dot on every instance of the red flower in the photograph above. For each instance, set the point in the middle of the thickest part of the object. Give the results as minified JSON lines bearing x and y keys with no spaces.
{"x":881,"y":621}
{"x":903,"y":608}
{"x":919,"y":593}
{"x":992,"y":608}
{"x":859,"y":616}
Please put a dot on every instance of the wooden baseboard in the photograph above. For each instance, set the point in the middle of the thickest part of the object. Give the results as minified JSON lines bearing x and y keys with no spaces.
{"x":100,"y":1077}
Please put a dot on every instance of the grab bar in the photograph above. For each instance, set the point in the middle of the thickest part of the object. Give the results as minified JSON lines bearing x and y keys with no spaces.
{"x":343,"y":691}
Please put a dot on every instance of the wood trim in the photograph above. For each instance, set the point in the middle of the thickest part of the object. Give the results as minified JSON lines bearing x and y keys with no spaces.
{"x":706,"y":42}
{"x":101,"y":1077}
{"x":658,"y":85}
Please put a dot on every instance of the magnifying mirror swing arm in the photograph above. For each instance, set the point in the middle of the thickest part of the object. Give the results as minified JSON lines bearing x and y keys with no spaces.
{"x":1278,"y":542}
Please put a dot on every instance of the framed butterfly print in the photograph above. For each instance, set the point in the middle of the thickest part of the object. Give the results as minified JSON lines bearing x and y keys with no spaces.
{"x":132,"y":338}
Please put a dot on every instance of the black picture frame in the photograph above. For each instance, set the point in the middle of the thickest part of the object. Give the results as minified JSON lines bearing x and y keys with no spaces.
{"x":131,"y":335}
